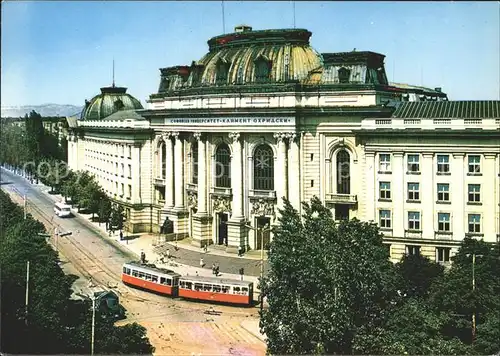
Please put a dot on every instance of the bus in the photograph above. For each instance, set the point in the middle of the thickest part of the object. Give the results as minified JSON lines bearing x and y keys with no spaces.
{"x":62,"y":210}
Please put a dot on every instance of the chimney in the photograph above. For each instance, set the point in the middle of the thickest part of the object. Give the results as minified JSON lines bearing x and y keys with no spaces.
{"x":242,"y":28}
{"x":438,"y":90}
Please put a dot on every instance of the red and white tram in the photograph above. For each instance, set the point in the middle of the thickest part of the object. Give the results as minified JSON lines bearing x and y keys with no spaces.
{"x":168,"y":282}
{"x":151,"y":278}
{"x":216,"y":290}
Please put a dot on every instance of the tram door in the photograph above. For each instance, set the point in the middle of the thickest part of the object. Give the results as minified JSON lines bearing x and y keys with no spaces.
{"x":222,"y":228}
{"x":263,"y":223}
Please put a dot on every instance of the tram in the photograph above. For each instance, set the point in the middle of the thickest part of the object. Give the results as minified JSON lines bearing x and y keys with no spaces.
{"x":167,"y":282}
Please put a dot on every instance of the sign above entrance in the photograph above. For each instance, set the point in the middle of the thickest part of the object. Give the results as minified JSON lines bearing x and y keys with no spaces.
{"x":239,"y":121}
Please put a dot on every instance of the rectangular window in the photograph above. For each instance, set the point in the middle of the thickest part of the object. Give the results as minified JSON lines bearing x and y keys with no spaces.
{"x":130,"y":171}
{"x":385,"y":219}
{"x":129,"y":191}
{"x":474,"y":193}
{"x":122,"y":171}
{"x":122,"y":192}
{"x":413,"y":163}
{"x":443,"y":254}
{"x":385,"y":162}
{"x":412,"y":250}
{"x":129,"y":151}
{"x":474,"y":223}
{"x":444,"y":222}
{"x":414,"y":191}
{"x":474,"y":164}
{"x":385,"y":190}
{"x":443,"y":163}
{"x":443,"y":191}
{"x":413,"y":220}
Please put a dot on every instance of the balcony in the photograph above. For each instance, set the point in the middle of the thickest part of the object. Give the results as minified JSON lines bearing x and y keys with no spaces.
{"x":341,"y":199}
{"x":262,"y":194}
{"x":190,"y":187}
{"x":159,"y":182}
{"x":221,"y":192}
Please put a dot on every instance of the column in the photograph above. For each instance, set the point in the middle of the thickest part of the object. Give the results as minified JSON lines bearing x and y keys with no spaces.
{"x":371,"y":189}
{"x":202,"y":174}
{"x":136,"y":174}
{"x":457,"y":196}
{"x":280,"y":173}
{"x":159,"y":159}
{"x":399,"y":192}
{"x":488,"y":197}
{"x":178,"y":171}
{"x":294,"y":172}
{"x":169,"y":179}
{"x":428,"y":196}
{"x":236,"y":176}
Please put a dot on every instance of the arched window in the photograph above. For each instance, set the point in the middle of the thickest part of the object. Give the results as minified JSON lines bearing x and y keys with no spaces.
{"x":194,"y":163}
{"x":262,"y":70}
{"x":344,"y":75}
{"x":163,"y":160}
{"x":263,"y":168}
{"x":343,"y":172}
{"x":223,"y":166}
{"x":222,"y":70}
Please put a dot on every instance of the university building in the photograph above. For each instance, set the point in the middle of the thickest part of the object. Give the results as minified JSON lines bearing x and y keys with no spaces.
{"x":263,"y":116}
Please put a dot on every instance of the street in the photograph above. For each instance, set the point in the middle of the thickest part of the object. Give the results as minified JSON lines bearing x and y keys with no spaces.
{"x":174,"y":326}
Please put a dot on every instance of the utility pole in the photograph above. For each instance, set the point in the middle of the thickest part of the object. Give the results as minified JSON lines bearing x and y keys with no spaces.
{"x":27,"y":290}
{"x":474,"y":293}
{"x":93,"y":326}
{"x":260,"y":230}
{"x":24,"y":207}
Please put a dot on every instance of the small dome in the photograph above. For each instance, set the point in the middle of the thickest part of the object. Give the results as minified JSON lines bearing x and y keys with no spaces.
{"x":111,"y":100}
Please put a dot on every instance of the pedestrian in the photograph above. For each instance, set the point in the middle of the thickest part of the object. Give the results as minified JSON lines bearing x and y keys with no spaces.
{"x":240,"y":251}
{"x":143,"y":257}
{"x":202,"y":263}
{"x":216,"y":269}
{"x":168,"y":253}
{"x":196,"y":273}
{"x":121,"y":235}
{"x":213,"y":268}
{"x":205,"y":248}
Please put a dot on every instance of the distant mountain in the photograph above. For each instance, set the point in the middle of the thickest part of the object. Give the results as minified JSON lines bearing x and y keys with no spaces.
{"x":44,"y":110}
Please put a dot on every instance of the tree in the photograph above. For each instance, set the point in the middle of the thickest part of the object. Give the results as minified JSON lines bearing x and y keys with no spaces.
{"x":326,"y":279}
{"x":104,"y":209}
{"x":417,"y":273}
{"x":117,"y":217}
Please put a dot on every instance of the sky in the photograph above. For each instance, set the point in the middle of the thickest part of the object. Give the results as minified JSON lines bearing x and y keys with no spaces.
{"x":62,"y":52}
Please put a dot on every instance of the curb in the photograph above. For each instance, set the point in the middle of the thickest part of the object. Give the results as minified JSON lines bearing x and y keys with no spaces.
{"x":259,"y":336}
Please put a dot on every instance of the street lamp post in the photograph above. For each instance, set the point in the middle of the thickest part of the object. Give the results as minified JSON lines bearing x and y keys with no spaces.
{"x":473,"y":293}
{"x":93,"y":326}
{"x":260,"y":231}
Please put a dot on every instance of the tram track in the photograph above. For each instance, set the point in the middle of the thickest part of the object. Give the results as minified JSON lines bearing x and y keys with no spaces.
{"x":84,"y":261}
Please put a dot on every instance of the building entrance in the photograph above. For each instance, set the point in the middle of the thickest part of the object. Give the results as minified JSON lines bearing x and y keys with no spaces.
{"x":263,"y":227}
{"x":222,"y":228}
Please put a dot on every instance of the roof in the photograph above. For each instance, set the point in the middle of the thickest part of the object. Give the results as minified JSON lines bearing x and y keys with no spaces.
{"x":417,"y":89}
{"x":125,"y":115}
{"x":216,"y":280}
{"x":485,"y":109}
{"x":151,"y":267}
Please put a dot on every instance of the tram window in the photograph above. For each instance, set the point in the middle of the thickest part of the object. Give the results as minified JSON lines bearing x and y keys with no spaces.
{"x":198,"y":286}
{"x":162,"y":280}
{"x":244,"y":290}
{"x":176,"y":282}
{"x":236,"y":290}
{"x":182,"y":284}
{"x":189,"y":285}
{"x":124,"y":270}
{"x":128,"y":271}
{"x":217,"y":289}
{"x":169,"y":282}
{"x":147,"y":276}
{"x":135,"y":273}
{"x":155,"y":279}
{"x":207,"y":287}
{"x":141,"y":275}
{"x":225,"y":289}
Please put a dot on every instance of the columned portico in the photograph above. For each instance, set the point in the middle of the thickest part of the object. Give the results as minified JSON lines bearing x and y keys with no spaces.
{"x":179,"y":210}
{"x":280,"y":173}
{"x":236,"y":224}
{"x":201,"y":220}
{"x":169,"y":162}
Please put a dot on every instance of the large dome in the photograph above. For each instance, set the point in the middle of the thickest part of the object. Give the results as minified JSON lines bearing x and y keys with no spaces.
{"x":248,"y":56}
{"x":111,"y":100}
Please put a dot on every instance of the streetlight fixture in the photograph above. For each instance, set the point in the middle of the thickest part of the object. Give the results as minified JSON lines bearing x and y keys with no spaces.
{"x":474,"y":255}
{"x":261,"y":231}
